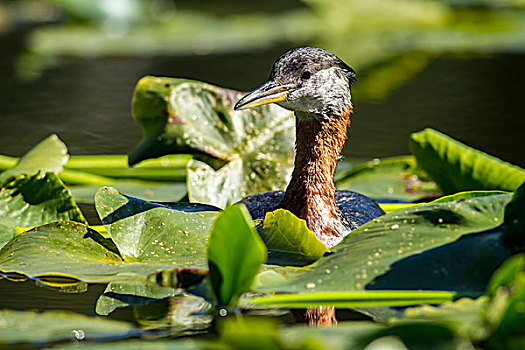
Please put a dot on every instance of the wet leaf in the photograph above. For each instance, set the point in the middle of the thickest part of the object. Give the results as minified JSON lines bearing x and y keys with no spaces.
{"x":39,"y":329}
{"x":182,"y":116}
{"x":149,"y":232}
{"x":394,"y":178}
{"x":62,"y":248}
{"x":34,"y":200}
{"x":50,"y":155}
{"x":456,"y":167}
{"x":235,"y":254}
{"x":461,"y":196}
{"x":403,"y":243}
{"x":288,"y":239}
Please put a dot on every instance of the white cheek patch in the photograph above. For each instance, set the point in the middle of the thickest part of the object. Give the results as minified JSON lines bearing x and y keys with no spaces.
{"x":326,"y":92}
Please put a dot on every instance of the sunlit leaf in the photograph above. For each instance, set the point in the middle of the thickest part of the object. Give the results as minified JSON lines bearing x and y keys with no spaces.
{"x":456,"y":167}
{"x":288,"y":239}
{"x":388,"y":179}
{"x":354,"y":299}
{"x":235,"y":254}
{"x":382,"y":253}
{"x":34,"y":200}
{"x":254,"y":148}
{"x":50,"y":155}
{"x":148,"y":232}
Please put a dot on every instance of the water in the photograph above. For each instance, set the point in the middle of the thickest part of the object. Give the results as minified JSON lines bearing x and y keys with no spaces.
{"x":87,"y":102}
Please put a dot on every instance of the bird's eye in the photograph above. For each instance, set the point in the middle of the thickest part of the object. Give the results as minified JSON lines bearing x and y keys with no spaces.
{"x":306,"y":75}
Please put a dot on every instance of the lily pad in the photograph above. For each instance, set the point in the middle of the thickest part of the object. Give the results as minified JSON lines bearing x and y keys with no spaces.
{"x":62,"y":249}
{"x":50,"y":155}
{"x":126,"y":293}
{"x":235,"y":254}
{"x":184,"y":116}
{"x":369,"y":251}
{"x":288,"y":239}
{"x":148,"y":232}
{"x":456,"y":167}
{"x":39,"y":329}
{"x":396,"y":178}
{"x":145,"y":238}
{"x":34,"y":200}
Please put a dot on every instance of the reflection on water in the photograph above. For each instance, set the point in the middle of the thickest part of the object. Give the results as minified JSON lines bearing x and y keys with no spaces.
{"x":87,"y":102}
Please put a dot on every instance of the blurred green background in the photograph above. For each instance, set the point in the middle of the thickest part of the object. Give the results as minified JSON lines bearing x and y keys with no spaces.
{"x":69,"y":66}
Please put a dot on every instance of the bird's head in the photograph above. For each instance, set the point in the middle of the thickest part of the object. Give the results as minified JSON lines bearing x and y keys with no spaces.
{"x":306,"y":80}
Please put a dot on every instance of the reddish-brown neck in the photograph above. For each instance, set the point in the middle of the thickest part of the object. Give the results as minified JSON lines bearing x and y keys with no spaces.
{"x":311,"y":191}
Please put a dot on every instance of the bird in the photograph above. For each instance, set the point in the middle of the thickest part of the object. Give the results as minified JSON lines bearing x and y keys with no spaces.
{"x":316,"y":85}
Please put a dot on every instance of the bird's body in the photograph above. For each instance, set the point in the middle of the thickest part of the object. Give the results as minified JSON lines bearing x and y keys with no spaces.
{"x":316,"y":85}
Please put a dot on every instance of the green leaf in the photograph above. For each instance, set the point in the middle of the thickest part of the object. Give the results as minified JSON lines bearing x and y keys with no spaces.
{"x":168,"y":168}
{"x":354,"y":299}
{"x":288,"y":239}
{"x":395,"y":242}
{"x":38,"y":329}
{"x":34,"y":200}
{"x":394,"y":178}
{"x":146,"y":190}
{"x":148,"y":232}
{"x":515,"y":219}
{"x":49,"y":155}
{"x":184,"y":116}
{"x":460,"y":196}
{"x":235,"y":254}
{"x":506,"y":273}
{"x":63,"y":249}
{"x":456,"y":167}
{"x":123,"y":294}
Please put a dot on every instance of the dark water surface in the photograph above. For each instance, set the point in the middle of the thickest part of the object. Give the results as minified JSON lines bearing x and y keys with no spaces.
{"x":87,"y":102}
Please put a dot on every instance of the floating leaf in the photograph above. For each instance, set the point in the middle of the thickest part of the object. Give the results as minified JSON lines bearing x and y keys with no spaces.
{"x":461,"y":196}
{"x":49,"y":155}
{"x":372,"y":249}
{"x":235,"y":254}
{"x":39,"y":329}
{"x":123,"y":294}
{"x":148,"y":232}
{"x":355,"y":299}
{"x":34,"y":200}
{"x":456,"y":167}
{"x":394,"y":178}
{"x":184,"y":116}
{"x":62,"y":248}
{"x":288,"y":239}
